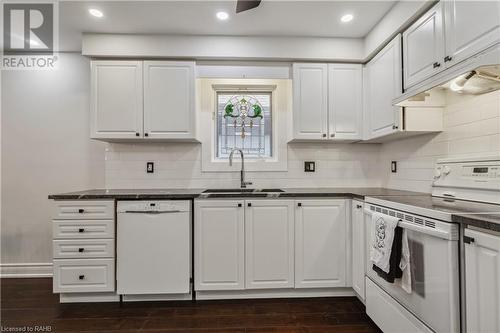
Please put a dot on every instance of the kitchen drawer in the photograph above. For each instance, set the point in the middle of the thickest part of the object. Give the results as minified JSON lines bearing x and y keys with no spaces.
{"x":76,"y":229}
{"x":84,"y":248}
{"x":83,"y":209}
{"x":84,"y":275}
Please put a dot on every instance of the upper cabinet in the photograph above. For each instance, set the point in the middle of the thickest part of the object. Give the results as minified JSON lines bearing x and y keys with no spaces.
{"x":423,"y":47}
{"x":327,"y":101}
{"x":116,"y":99}
{"x":142,"y":100}
{"x":310,"y":101}
{"x":447,"y":34}
{"x":382,"y":84}
{"x":169,"y":97}
{"x":470,"y":27}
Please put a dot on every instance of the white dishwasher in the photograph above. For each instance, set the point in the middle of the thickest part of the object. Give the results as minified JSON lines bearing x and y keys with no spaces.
{"x":153,"y":247}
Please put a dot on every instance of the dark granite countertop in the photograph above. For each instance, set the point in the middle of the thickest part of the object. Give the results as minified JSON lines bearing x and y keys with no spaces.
{"x":126,"y":194}
{"x":472,"y":213}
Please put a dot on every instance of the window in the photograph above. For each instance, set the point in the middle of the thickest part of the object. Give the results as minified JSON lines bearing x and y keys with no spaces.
{"x":244,"y":121}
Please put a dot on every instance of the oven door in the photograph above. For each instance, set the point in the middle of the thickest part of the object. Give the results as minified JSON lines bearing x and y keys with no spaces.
{"x":434,"y":269}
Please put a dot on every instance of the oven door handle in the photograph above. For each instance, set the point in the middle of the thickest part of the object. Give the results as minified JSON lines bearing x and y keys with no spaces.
{"x":422,"y":229}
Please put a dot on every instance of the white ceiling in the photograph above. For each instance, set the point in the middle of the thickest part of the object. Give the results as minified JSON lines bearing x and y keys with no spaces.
{"x":308,"y":18}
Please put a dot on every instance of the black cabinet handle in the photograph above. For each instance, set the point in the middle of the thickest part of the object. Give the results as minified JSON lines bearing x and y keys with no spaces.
{"x":324,"y":135}
{"x":447,"y":58}
{"x":80,"y":249}
{"x":468,"y":240}
{"x":394,"y":127}
{"x":81,"y":277}
{"x":359,"y":206}
{"x":137,"y":134}
{"x":436,"y":65}
{"x":239,"y":205}
{"x":81,"y":211}
{"x":146,"y":134}
{"x":249,"y":204}
{"x":299,"y":204}
{"x":81,"y":230}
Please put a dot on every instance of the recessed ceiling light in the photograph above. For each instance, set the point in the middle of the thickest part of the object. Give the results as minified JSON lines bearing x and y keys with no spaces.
{"x":95,"y":12}
{"x":222,"y":16}
{"x":347,"y":18}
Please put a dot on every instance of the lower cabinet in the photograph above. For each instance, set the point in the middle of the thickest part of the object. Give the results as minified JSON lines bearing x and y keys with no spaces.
{"x":358,"y":248}
{"x":482,"y":281}
{"x":219,"y":236}
{"x":320,"y":244}
{"x":269,"y":244}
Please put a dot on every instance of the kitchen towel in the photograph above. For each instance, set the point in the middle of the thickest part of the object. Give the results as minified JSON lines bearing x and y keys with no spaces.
{"x":394,"y":260}
{"x":383,"y":229}
{"x":404,"y":265}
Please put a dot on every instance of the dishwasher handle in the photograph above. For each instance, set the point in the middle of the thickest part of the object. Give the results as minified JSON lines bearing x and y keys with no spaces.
{"x":154,"y":212}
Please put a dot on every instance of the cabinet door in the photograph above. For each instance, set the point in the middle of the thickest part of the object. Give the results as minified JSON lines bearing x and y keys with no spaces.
{"x":169,"y":99}
{"x":269,"y":239}
{"x":358,"y":248}
{"x":310,"y":101}
{"x":219,"y":245}
{"x":116,"y":99}
{"x":384,"y":76}
{"x":482,"y":282}
{"x":320,"y":244}
{"x":423,"y":47}
{"x":470,"y":27}
{"x":345,"y":101}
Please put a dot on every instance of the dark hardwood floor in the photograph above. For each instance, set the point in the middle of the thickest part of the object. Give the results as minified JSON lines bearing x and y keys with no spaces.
{"x":30,"y":303}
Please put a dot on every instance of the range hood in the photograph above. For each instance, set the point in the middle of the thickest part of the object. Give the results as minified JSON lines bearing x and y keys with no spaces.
{"x":475,"y":76}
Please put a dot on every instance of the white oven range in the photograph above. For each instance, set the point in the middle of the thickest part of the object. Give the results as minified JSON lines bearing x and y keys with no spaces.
{"x":460,"y":185}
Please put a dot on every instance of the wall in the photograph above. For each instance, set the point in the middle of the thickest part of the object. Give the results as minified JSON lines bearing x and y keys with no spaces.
{"x":179,"y":165}
{"x":472,"y":127}
{"x":45,"y":149}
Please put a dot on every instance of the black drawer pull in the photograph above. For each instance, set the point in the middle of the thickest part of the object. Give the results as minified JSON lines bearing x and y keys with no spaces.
{"x":81,"y":230}
{"x":447,"y":58}
{"x":81,"y":249}
{"x":359,"y":206}
{"x":81,"y":277}
{"x":81,"y":211}
{"x":137,"y":134}
{"x":299,"y":204}
{"x":436,"y":65}
{"x":324,"y":135}
{"x":249,"y":204}
{"x":239,"y":205}
{"x":146,"y":134}
{"x":468,"y":240}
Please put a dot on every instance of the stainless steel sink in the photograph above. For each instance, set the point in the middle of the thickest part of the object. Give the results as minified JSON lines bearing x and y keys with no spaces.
{"x":243,"y":190}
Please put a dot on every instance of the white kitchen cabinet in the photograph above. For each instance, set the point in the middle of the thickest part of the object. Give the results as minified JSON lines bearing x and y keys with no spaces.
{"x":423,"y":47}
{"x":482,"y":281}
{"x":142,"y":100}
{"x":345,"y":101}
{"x":310,"y":101}
{"x":383,"y":77}
{"x":116,"y":99}
{"x":358,"y":248}
{"x":269,"y":243}
{"x":320,"y":243}
{"x":169,"y":99}
{"x":470,"y":27}
{"x":219,"y":232}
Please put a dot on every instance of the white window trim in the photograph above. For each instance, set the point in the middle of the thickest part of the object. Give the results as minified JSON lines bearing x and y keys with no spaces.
{"x":281,"y":113}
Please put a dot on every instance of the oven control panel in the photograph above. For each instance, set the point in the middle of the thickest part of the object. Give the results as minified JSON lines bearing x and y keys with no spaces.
{"x":467,"y":178}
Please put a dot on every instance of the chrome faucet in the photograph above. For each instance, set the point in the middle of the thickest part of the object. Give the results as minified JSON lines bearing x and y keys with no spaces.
{"x":242,"y":172}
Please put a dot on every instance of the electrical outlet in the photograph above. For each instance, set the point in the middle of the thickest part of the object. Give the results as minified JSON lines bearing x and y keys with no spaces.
{"x":394,"y":166}
{"x":150,"y":167}
{"x":309,"y":166}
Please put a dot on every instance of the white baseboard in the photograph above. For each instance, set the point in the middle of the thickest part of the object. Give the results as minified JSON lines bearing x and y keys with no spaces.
{"x":274,"y":293}
{"x":26,"y":270}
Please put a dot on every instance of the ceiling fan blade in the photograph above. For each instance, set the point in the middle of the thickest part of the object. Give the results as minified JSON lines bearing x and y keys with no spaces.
{"x":243,"y":5}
